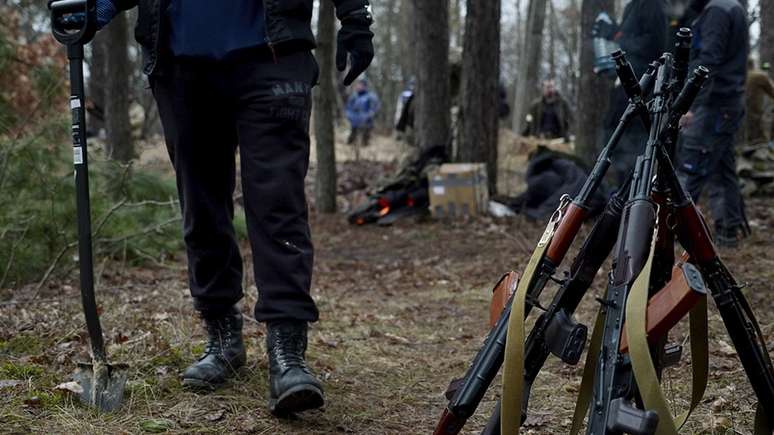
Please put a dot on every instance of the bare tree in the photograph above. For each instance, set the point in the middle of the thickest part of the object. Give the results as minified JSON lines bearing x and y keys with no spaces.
{"x":767,"y":31}
{"x":529,"y":63}
{"x":432,"y":115}
{"x":552,"y":31}
{"x":591,"y":104}
{"x":97,"y":80}
{"x":324,"y":109}
{"x":119,"y":132}
{"x":386,"y":69}
{"x":479,"y":95}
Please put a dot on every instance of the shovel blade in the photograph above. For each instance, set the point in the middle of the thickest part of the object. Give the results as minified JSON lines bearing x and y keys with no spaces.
{"x":103,"y":385}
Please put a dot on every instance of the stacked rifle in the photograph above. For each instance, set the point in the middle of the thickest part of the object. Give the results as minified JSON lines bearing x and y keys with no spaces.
{"x":648,"y":290}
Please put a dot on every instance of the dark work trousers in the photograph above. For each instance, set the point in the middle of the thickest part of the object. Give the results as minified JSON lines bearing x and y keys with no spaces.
{"x":632,"y":142}
{"x":707,"y":159}
{"x":631,"y":145}
{"x":260,"y":106}
{"x":363,"y":132}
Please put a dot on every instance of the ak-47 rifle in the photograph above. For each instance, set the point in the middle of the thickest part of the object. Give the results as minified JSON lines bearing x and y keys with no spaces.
{"x":555,"y":331}
{"x":615,"y":390}
{"x":465,"y":395}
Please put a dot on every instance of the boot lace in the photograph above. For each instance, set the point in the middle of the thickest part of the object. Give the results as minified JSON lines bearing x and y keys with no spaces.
{"x":288,"y":347}
{"x":220,"y":334}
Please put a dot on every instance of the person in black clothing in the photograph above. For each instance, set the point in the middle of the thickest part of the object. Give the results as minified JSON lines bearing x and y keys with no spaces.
{"x":238,"y":75}
{"x":549,"y":116}
{"x":706,"y":157}
{"x":642,"y":35}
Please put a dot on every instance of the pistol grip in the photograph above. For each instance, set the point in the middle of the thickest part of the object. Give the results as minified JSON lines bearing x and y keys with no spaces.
{"x":625,"y":418}
{"x":565,"y":338}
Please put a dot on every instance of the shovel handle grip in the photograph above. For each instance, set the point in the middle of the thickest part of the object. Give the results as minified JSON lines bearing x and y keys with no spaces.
{"x":73,"y":22}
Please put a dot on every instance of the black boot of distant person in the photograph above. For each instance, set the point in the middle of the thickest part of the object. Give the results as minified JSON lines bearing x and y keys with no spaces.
{"x":224,"y":354}
{"x":293,"y":388}
{"x":726,"y":237}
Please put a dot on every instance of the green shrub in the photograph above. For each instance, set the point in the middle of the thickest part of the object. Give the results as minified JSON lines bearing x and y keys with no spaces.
{"x":135,"y":216}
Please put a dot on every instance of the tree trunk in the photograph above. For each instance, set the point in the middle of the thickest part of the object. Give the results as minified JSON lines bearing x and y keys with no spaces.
{"x":119,"y":131}
{"x":432,"y":111}
{"x":457,"y":23}
{"x":552,"y":31}
{"x":97,"y":77}
{"x":479,"y":94}
{"x":592,"y":89}
{"x":324,"y":109}
{"x":529,"y":64}
{"x":408,"y":63}
{"x":767,"y":32}
{"x":387,"y":84}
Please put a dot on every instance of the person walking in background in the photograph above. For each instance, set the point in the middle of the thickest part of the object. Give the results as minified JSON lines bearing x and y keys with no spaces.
{"x":707,"y":156}
{"x":361,"y":109}
{"x":239,"y":75}
{"x":549,"y":116}
{"x":758,"y":87}
{"x":642,"y":36}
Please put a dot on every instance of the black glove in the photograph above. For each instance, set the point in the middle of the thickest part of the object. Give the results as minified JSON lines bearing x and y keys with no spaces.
{"x":604,"y":29}
{"x":354,"y":39}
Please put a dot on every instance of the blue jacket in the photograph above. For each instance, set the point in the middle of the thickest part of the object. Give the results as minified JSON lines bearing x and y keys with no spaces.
{"x":361,"y":108}
{"x":721,"y":43}
{"x":288,"y":26}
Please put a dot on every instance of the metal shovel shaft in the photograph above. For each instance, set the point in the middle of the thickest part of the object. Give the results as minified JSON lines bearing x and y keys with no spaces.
{"x":80,"y":160}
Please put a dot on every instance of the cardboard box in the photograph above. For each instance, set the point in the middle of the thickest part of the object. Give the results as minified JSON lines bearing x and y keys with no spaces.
{"x":458,"y":189}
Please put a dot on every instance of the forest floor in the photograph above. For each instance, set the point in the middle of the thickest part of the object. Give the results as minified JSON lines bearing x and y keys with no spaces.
{"x":403,"y":311}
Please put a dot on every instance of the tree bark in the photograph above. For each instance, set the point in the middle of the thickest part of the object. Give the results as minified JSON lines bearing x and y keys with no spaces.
{"x":432,"y":111}
{"x":97,"y":78}
{"x":479,"y":94}
{"x":387,"y":85}
{"x":552,"y":31}
{"x":529,"y":64}
{"x":324,"y":109}
{"x":767,"y":32}
{"x":592,"y":89}
{"x":119,"y":131}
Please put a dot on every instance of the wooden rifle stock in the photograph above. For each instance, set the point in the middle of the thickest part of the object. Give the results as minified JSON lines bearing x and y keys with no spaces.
{"x":670,"y":304}
{"x":565,"y":233}
{"x":500,"y":296}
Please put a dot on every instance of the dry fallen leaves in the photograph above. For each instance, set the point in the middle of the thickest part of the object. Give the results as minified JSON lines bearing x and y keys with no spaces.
{"x":215,"y":416}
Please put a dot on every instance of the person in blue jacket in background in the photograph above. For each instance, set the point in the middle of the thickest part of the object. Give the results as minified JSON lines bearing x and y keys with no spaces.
{"x":361,"y":109}
{"x":230,"y":75}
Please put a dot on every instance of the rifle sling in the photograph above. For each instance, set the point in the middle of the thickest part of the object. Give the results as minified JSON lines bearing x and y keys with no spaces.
{"x":513,"y":363}
{"x":589,"y":369}
{"x":642,"y":362}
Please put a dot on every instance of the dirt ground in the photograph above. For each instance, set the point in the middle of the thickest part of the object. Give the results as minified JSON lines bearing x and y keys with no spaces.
{"x":403,"y":311}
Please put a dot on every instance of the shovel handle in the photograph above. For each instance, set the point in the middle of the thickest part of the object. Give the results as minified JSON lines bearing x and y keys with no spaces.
{"x":81,"y":164}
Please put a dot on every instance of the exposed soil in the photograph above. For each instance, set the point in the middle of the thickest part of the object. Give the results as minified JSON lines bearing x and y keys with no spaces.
{"x":403,"y":309}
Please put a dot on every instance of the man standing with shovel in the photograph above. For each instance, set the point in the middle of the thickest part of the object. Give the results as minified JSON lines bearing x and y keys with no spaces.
{"x":240,"y":73}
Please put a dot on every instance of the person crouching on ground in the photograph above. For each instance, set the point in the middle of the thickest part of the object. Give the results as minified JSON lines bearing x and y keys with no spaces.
{"x":239,"y":74}
{"x":361,"y":108}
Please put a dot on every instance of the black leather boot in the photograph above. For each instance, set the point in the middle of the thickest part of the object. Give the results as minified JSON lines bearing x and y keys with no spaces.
{"x":726,"y":237}
{"x":292,"y":386}
{"x":224,"y":354}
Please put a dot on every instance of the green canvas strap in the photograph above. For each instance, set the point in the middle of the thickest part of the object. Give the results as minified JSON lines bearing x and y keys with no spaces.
{"x":589,"y":370}
{"x":513,"y":363}
{"x":648,"y":382}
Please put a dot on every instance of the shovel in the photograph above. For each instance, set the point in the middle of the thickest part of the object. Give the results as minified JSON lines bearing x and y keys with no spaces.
{"x":73,"y":23}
